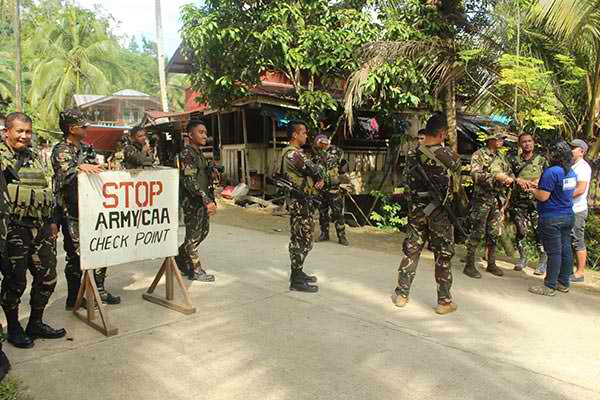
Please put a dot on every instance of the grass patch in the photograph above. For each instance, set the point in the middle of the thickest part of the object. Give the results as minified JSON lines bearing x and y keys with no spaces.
{"x":12,"y":389}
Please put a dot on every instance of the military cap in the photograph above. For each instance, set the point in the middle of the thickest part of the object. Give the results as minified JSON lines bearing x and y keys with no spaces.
{"x":496,"y":132}
{"x":73,"y":116}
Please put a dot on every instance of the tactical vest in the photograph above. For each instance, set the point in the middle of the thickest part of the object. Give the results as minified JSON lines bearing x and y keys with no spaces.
{"x":31,"y":196}
{"x":439,"y":175}
{"x":300,"y":181}
{"x":500,"y":166}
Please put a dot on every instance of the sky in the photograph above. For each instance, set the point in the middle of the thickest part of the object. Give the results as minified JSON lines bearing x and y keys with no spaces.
{"x":136,"y":17}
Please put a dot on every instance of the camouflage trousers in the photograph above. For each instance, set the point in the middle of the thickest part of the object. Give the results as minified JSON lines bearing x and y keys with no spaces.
{"x":439,"y":232}
{"x":302,"y":226}
{"x":485,"y":219}
{"x":197,"y":225}
{"x":70,"y":229}
{"x":34,"y":250}
{"x":526,"y":218}
{"x":335,"y":202}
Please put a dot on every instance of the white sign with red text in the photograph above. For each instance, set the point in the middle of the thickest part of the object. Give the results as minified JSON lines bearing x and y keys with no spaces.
{"x":127,"y":216}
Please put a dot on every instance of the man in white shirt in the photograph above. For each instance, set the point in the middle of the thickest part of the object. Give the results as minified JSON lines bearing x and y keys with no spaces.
{"x":580,"y":207}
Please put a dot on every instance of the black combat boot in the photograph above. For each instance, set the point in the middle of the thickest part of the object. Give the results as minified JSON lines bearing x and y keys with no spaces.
{"x":298,"y":284}
{"x":308,"y":278}
{"x":105,"y":296}
{"x":470,"y":269}
{"x":200,"y":275}
{"x":36,"y":328}
{"x":492,"y":268}
{"x":4,"y":364}
{"x":15,"y":333}
{"x":342,"y":239}
{"x":324,"y":237}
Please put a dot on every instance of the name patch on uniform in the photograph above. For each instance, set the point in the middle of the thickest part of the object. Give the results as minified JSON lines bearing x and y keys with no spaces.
{"x":569,"y":183}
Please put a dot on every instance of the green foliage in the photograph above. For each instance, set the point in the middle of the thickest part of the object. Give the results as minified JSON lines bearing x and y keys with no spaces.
{"x":391,"y":213}
{"x":313,"y":44}
{"x":11,"y":389}
{"x":592,"y":239}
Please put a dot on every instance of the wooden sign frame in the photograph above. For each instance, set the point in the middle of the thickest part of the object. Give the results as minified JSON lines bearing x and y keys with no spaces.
{"x":89,"y":291}
{"x":171,"y":271}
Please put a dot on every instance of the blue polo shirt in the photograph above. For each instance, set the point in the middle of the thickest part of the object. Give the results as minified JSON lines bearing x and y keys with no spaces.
{"x":561,"y":187}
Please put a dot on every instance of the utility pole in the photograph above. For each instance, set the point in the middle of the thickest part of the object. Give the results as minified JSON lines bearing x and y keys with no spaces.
{"x":161,"y":59}
{"x":18,"y":66}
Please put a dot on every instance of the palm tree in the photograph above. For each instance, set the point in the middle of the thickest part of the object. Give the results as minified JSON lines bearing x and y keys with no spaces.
{"x":7,"y":76}
{"x":71,"y":53}
{"x":577,"y":24}
{"x":437,"y":55}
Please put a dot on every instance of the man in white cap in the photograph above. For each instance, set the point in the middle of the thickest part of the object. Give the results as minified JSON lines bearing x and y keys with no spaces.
{"x":580,"y":207}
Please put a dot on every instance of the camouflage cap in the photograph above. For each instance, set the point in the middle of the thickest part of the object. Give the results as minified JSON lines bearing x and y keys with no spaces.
{"x":73,"y":116}
{"x":496,"y":132}
{"x":322,"y":139}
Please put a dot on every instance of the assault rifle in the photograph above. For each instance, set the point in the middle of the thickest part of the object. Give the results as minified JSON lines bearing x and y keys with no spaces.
{"x":434,"y":192}
{"x":288,"y":187}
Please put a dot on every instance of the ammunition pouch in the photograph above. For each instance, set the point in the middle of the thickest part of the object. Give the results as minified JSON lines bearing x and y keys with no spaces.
{"x":30,"y":195}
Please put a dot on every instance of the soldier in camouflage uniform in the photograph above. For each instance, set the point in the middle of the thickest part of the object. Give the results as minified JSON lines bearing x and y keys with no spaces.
{"x":492,"y":179}
{"x":69,"y":157}
{"x":305,"y":176}
{"x":527,"y":168}
{"x":197,"y":202}
{"x":5,"y":209}
{"x":331,"y":162}
{"x":428,"y":221}
{"x":31,"y":239}
{"x":137,"y":154}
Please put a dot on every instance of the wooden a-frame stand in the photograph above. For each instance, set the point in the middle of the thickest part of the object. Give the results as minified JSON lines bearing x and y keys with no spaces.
{"x":171,"y":271}
{"x":89,"y":291}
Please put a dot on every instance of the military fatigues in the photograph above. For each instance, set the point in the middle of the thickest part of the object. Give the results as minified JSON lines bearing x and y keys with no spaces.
{"x":29,"y":245}
{"x":523,"y":209}
{"x":134,"y":156}
{"x":195,"y":196}
{"x":428,"y":221}
{"x":5,"y":208}
{"x":66,"y":157}
{"x":331,"y":197}
{"x":303,"y":174}
{"x":489,"y":198}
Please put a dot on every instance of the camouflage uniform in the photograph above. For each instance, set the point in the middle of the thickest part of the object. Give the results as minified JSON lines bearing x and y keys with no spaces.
{"x":5,"y":209}
{"x":66,"y":157}
{"x":331,"y":196}
{"x":195,"y":196}
{"x":488,"y":201}
{"x":428,"y":221}
{"x":134,"y":156}
{"x":116,"y":160}
{"x":29,"y":244}
{"x":303,"y":173}
{"x":523,"y":209}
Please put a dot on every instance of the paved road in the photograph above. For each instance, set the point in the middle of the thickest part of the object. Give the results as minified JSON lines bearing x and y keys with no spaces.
{"x":253,"y":339}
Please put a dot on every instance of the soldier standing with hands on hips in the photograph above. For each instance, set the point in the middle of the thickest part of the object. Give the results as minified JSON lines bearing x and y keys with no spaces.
{"x":197,"y":201}
{"x":31,"y":239}
{"x":305,"y":176}
{"x":331,"y":161}
{"x":69,"y":157}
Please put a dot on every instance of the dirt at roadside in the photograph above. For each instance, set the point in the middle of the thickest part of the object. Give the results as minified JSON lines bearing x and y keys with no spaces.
{"x":367,"y":237}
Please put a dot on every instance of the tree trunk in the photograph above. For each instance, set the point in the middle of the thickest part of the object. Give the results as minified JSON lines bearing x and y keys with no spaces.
{"x":594,"y":101}
{"x":450,"y":105}
{"x":161,"y":59}
{"x":18,"y":64}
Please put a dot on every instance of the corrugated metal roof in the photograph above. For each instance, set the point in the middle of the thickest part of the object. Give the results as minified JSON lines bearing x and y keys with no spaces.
{"x":81,"y":99}
{"x":130,"y":93}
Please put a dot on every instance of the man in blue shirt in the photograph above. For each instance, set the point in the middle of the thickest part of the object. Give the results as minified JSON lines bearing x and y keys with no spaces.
{"x":555,"y":207}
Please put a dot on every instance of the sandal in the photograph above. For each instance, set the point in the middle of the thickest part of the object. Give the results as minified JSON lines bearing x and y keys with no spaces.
{"x":542,"y":290}
{"x":562,"y":288}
